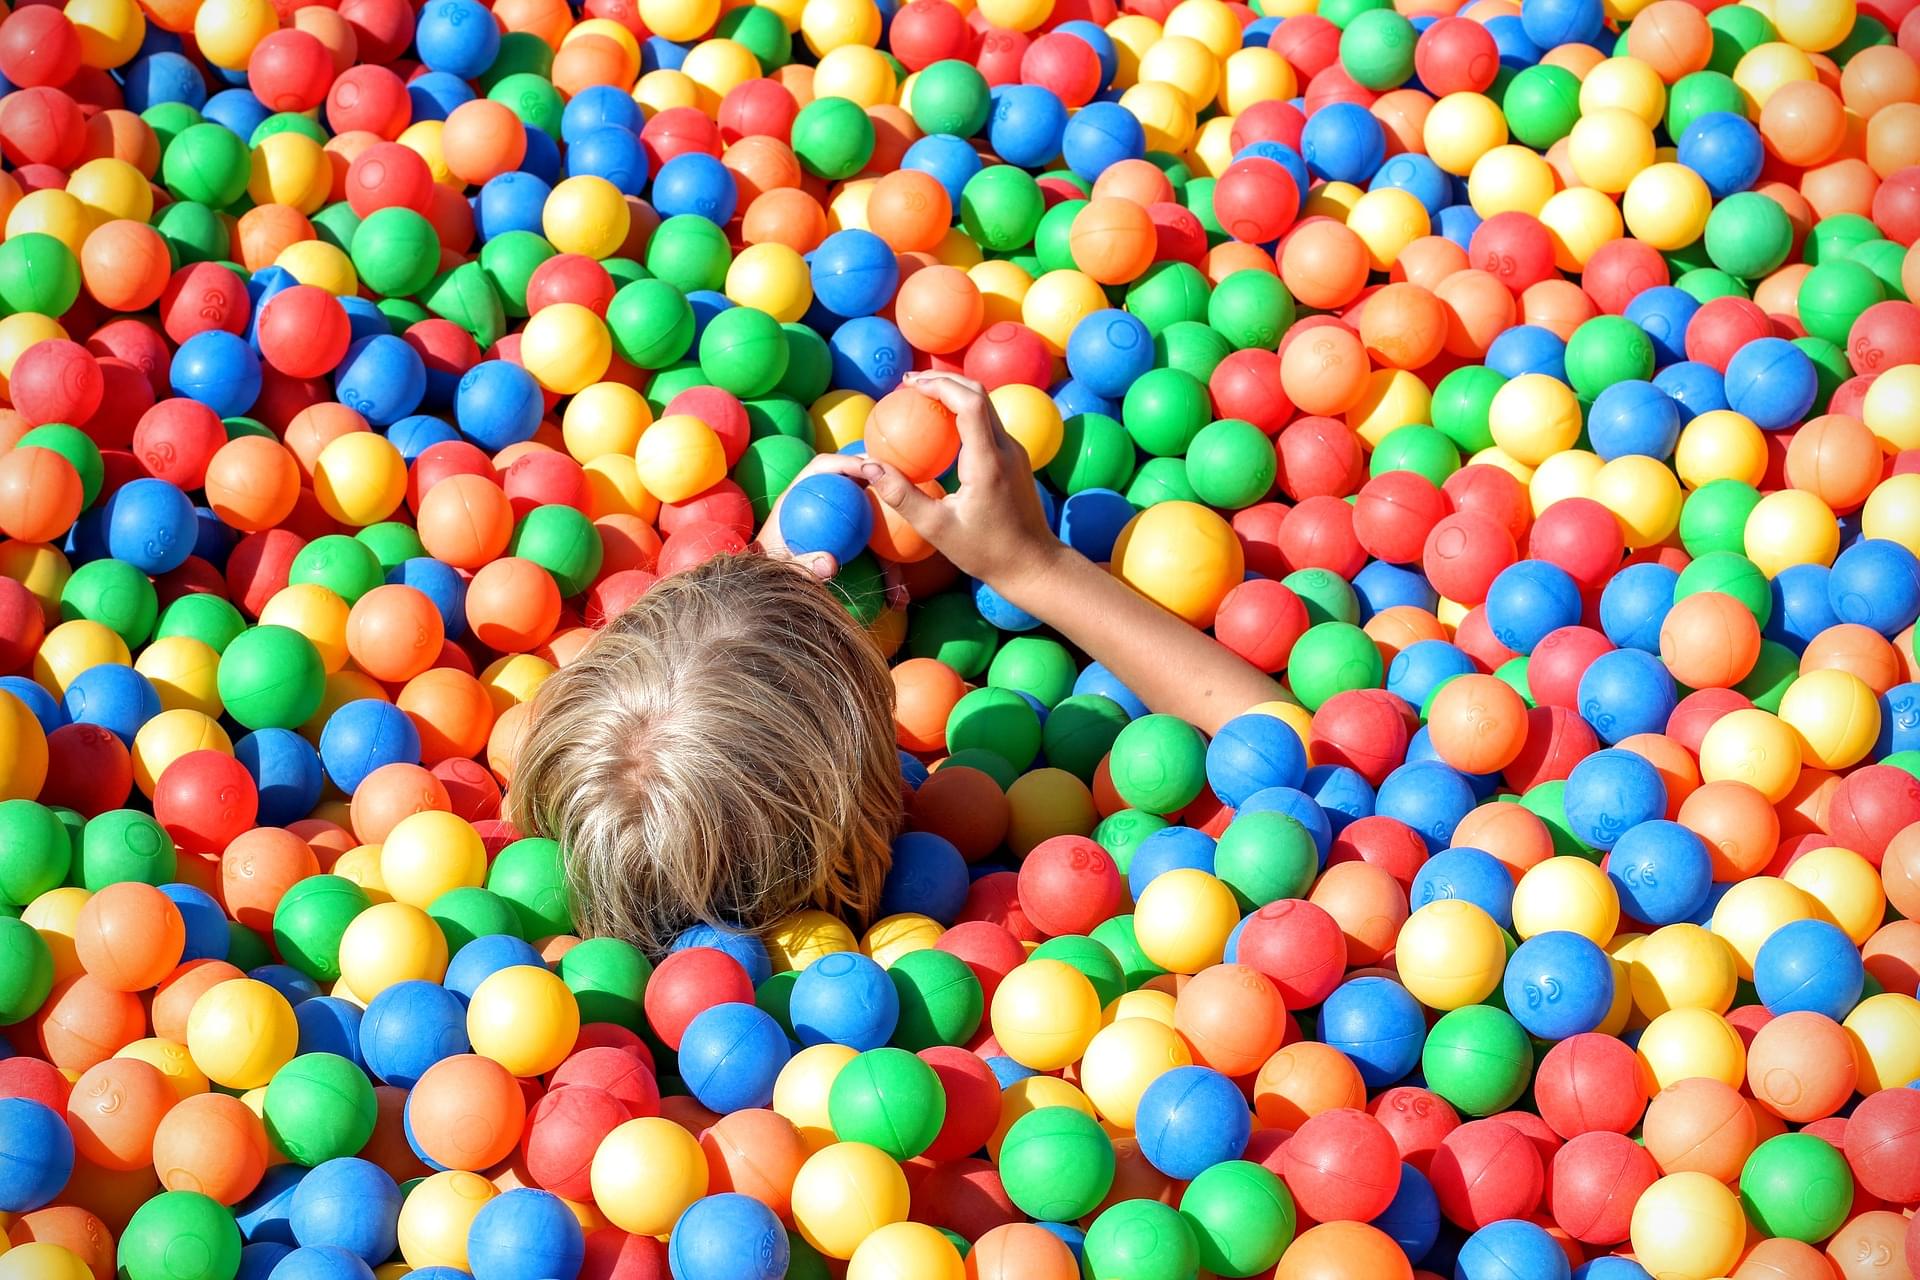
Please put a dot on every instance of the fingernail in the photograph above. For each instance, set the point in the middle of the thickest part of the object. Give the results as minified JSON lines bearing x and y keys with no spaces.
{"x":871,"y":470}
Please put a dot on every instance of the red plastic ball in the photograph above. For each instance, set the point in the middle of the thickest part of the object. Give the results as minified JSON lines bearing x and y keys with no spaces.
{"x":1456,"y":55}
{"x":1696,"y":713}
{"x":371,"y":99}
{"x":1723,"y":326}
{"x":1580,"y":536}
{"x":1596,"y":1179}
{"x":725,"y":504}
{"x":1246,"y":385}
{"x":1417,"y":1119}
{"x":677,"y":131}
{"x":1270,"y":120}
{"x":1556,"y":664}
{"x":41,"y":125}
{"x":1256,"y":200}
{"x":1008,"y":352}
{"x":1464,"y":553}
{"x":39,"y":47}
{"x":1394,"y":513}
{"x":1590,"y":1083}
{"x":204,"y":799}
{"x":763,"y":108}
{"x":1557,"y":739}
{"x":1514,"y":248}
{"x":290,"y":70}
{"x":1342,"y":1166}
{"x":1383,"y":842}
{"x":56,"y":381}
{"x":1885,"y":334}
{"x":570,"y":277}
{"x":929,"y":31}
{"x":545,"y":478}
{"x":1484,"y":1171}
{"x":389,"y":176}
{"x":1870,"y":807}
{"x":722,"y":412}
{"x":688,"y":982}
{"x":1883,"y":1145}
{"x":973,"y":1099}
{"x":1367,"y":730}
{"x":1621,"y":270}
{"x":563,"y":1131}
{"x":1319,"y":534}
{"x":304,"y":331}
{"x":989,"y":949}
{"x":1068,"y":884}
{"x":1309,"y":42}
{"x":89,"y":770}
{"x":1260,"y":620}
{"x":1297,"y":945}
{"x":1319,"y":456}
{"x":176,"y":439}
{"x":1065,"y":66}
{"x":1896,"y":205}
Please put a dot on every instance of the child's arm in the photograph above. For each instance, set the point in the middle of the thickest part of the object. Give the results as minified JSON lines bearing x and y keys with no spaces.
{"x":993,"y":528}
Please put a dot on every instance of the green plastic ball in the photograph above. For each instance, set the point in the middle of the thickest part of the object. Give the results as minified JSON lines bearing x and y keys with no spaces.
{"x":762,"y":33}
{"x":114,"y":594}
{"x":533,"y":98}
{"x":207,"y":163}
{"x":1168,"y":293}
{"x":1160,"y":480}
{"x":768,"y":468}
{"x":1079,"y":731}
{"x":689,"y":253}
{"x":1231,"y":464}
{"x":561,"y":540}
{"x":1036,"y":666}
{"x":997,"y":720}
{"x":887,"y":1098}
{"x":26,"y":970}
{"x":1097,"y":964}
{"x":1748,"y":235}
{"x":392,"y":543}
{"x":1241,"y":1213}
{"x":319,"y":1107}
{"x":1775,"y":669}
{"x":271,"y":677}
{"x":467,"y":298}
{"x":1264,"y":857}
{"x":342,"y":564}
{"x":35,"y":854}
{"x":1159,"y":763}
{"x":181,"y":1235}
{"x":510,"y":259}
{"x":38,"y":273}
{"x":1251,"y":309}
{"x":950,"y":96}
{"x":608,"y":976}
{"x":949,"y":629}
{"x":194,"y":233}
{"x":310,"y":920}
{"x":941,"y":1001}
{"x":861,"y":588}
{"x":531,"y":875}
{"x":1095,"y":453}
{"x":395,"y":251}
{"x":1796,"y":1186}
{"x":1833,"y":295}
{"x":1737,"y":31}
{"x":1052,"y":239}
{"x":778,"y":415}
{"x":205,"y":616}
{"x":1141,"y":1240}
{"x":1001,"y":206}
{"x":1547,"y":802}
{"x":1424,"y":450}
{"x":651,"y":323}
{"x":1376,"y":49}
{"x":1192,"y":348}
{"x":1121,"y":832}
{"x":471,"y":912}
{"x":743,"y":350}
{"x":1116,"y":934}
{"x":1478,"y":1058}
{"x":833,"y":138}
{"x":1699,"y":94}
{"x":1730,"y":574}
{"x":1541,"y":104}
{"x":1837,"y":237}
{"x":1714,"y":516}
{"x":336,"y":224}
{"x":169,"y":120}
{"x":124,"y":844}
{"x":1057,"y":1164}
{"x":1606,"y":350}
{"x":1164,"y":411}
{"x":1326,"y":595}
{"x":809,"y":365}
{"x":1333,"y":657}
{"x":1461,"y":402}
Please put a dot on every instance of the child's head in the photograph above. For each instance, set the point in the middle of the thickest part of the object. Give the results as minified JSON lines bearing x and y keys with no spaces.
{"x":721,"y":752}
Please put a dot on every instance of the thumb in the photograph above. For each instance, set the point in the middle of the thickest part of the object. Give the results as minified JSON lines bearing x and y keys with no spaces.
{"x":821,"y":564}
{"x":900,"y":493}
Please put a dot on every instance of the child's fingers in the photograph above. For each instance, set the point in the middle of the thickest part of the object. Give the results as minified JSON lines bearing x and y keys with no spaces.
{"x":979,"y":425}
{"x":902,"y":495}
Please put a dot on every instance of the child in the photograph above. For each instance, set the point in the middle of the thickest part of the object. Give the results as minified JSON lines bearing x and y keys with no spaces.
{"x":724,"y":750}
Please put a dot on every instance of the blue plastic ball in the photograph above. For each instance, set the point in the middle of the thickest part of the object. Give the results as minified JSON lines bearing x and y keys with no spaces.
{"x":1725,"y":150}
{"x":1340,"y":793}
{"x":1808,"y":965}
{"x":1108,"y":351}
{"x":727,"y":1237}
{"x":263,"y":1214}
{"x":744,"y":947}
{"x":525,"y":1234}
{"x":442,"y":584}
{"x":498,"y":403}
{"x":1302,"y":808}
{"x":330,"y":1025}
{"x":382,"y":379}
{"x":1625,"y":692}
{"x":485,"y":956}
{"x":844,"y":998}
{"x":730,"y":1055}
{"x":1634,"y":417}
{"x":1634,"y":604}
{"x":697,"y":183}
{"x":1429,"y":796}
{"x":1471,"y":875}
{"x":1027,"y":125}
{"x":1099,"y":136}
{"x":286,"y":770}
{"x":1168,"y":849}
{"x":219,"y":370}
{"x":1190,"y":1119}
{"x":1876,"y":583}
{"x":512,"y":201}
{"x":205,"y":919}
{"x":361,"y":736}
{"x":613,"y":153}
{"x":1663,"y":314}
{"x":1610,"y":792}
{"x":1512,"y":1249}
{"x":1343,"y":142}
{"x":1419,"y":670}
{"x":151,"y":525}
{"x":869,"y":356}
{"x":1378,"y":1025}
{"x":1772,"y":382}
{"x":599,"y":106}
{"x":258,"y":1260}
{"x":1696,"y":387}
{"x":321,"y":1262}
{"x":290,"y":982}
{"x":1381,"y":586}
{"x":459,"y":37}
{"x":36,"y":1154}
{"x":1528,"y":348}
{"x":1095,"y":678}
{"x":1558,"y":984}
{"x":116,"y":698}
{"x":1251,"y":753}
{"x":928,"y":876}
{"x":1661,"y":872}
{"x":854,"y":272}
{"x":350,"y":1203}
{"x":827,"y":513}
{"x":1802,"y":605}
{"x":1412,"y":1218}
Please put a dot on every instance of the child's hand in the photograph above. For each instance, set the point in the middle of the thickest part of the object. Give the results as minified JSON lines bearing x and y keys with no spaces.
{"x":992,"y":527}
{"x":822,"y":564}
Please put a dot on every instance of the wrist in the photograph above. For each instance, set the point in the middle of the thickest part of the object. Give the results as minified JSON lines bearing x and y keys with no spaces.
{"x":1024,"y":578}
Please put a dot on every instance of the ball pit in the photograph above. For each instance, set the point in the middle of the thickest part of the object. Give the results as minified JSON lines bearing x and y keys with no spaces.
{"x":1532,"y":389}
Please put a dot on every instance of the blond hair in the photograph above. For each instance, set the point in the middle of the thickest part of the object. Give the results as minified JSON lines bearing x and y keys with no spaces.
{"x":722,"y":752}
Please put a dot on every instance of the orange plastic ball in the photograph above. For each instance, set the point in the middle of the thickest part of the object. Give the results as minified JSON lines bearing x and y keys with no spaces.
{"x":212,"y":1144}
{"x":1857,"y":649}
{"x":925,"y":691}
{"x":786,"y":216}
{"x":467,"y":1112}
{"x":394,"y":632}
{"x":914,"y":433}
{"x":755,"y":1153}
{"x":1837,"y":458}
{"x":1343,"y":1251}
{"x":1304,"y":1079}
{"x":1020,"y":1251}
{"x":1709,"y":640}
{"x":1672,"y":37}
{"x":1367,"y":903}
{"x":1803,"y":122}
{"x":125,"y":265}
{"x":1478,"y":309}
{"x":910,"y":210}
{"x":1516,"y":837}
{"x":173,"y":998}
{"x":513,"y":605}
{"x":1403,"y":326}
{"x":1738,"y":825}
{"x":40,"y":494}
{"x":74,"y":1229}
{"x":482,"y":139}
{"x":253,"y":483}
{"x":1323,"y":264}
{"x":1478,"y":723}
{"x":129,"y":936}
{"x":1324,"y":369}
{"x":1699,"y":1125}
{"x":1112,"y":240}
{"x":1800,"y":1066}
{"x":256,"y":870}
{"x":465,"y":520}
{"x":114,"y":1109}
{"x":391,"y":794}
{"x":1231,"y":1018}
{"x":939,"y":309}
{"x":452,"y":712}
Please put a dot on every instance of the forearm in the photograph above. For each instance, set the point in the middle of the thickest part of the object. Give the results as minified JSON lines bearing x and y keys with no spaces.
{"x":1173,"y":667}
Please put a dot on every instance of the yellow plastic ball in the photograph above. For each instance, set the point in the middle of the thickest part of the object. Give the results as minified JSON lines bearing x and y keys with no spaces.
{"x":1032,"y":418}
{"x":1682,"y":966}
{"x":1891,"y":409}
{"x":645,"y":1174}
{"x":906,"y":1251}
{"x":566,"y":348}
{"x":514,"y":679}
{"x":110,"y":31}
{"x":322,"y":265}
{"x":167,"y":737}
{"x":1791,"y":527}
{"x":1123,"y":1059}
{"x":51,"y":211}
{"x":586,"y":214}
{"x":1567,"y":474}
{"x":828,"y":24}
{"x":801,"y":1089}
{"x":1608,"y":148}
{"x":1688,"y":1225}
{"x":847,"y":211}
{"x":38,"y":567}
{"x":796,"y":941}
{"x":1057,"y":302}
{"x":316,"y":613}
{"x":1182,"y":919}
{"x":524,"y":1018}
{"x":1509,"y":178}
{"x":1667,"y":205}
{"x":1387,"y":220}
{"x":427,"y":139}
{"x":362,"y":867}
{"x":1132,"y":34}
{"x":1814,"y":25}
{"x":1044,"y":803}
{"x":55,"y":915}
{"x":112,"y":188}
{"x":391,"y":942}
{"x":1626,"y":84}
{"x":679,"y":20}
{"x":1533,"y":417}
{"x":856,"y":73}
{"x":1893,"y":511}
{"x":719,"y":66}
{"x":1164,"y":111}
{"x":1182,"y":556}
{"x":1720,"y":445}
{"x":240,"y":1032}
{"x":605,"y":418}
{"x":1845,"y":889}
{"x":436,"y":1216}
{"x":1566,"y":893}
{"x":1681,"y":1043}
{"x":839,"y":418}
{"x":360,"y":478}
{"x":1450,"y":954}
{"x":773,"y":278}
{"x":291,"y":169}
{"x":1333,"y":200}
{"x":1749,"y":913}
{"x":227,"y":30}
{"x":1208,"y":21}
{"x":40,"y":1260}
{"x":614,"y":488}
{"x":1460,"y":129}
{"x":171,"y":1059}
{"x":1580,"y":220}
{"x":897,"y":935}
{"x":1044,"y":1014}
{"x":843,"y":1194}
{"x":666,"y":88}
{"x":1835,"y":715}
{"x":1643,"y":495}
{"x":183,"y":671}
{"x":1755,"y":747}
{"x":1212,"y":148}
{"x":1391,"y":399}
{"x":1187,"y":65}
{"x":431,"y":853}
{"x":679,"y":456}
{"x":73,"y":647}
{"x":1255,"y":75}
{"x":1885,"y":1032}
{"x":1003,"y":288}
{"x":1764,"y":68}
